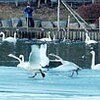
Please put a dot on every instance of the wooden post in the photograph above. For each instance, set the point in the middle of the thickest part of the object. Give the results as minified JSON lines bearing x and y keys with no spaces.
{"x":93,"y":1}
{"x":58,"y":15}
{"x":27,"y":23}
{"x":45,"y":1}
{"x":99,"y":24}
{"x":68,"y":25}
{"x":39,"y":3}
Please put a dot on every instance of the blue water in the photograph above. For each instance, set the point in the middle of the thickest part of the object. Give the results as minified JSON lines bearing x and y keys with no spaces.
{"x":15,"y":84}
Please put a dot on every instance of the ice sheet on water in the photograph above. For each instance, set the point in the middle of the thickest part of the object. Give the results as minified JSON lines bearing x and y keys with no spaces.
{"x":15,"y":84}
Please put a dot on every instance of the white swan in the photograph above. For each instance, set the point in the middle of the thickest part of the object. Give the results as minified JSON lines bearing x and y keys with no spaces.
{"x":34,"y":64}
{"x":26,"y":65}
{"x":21,"y":60}
{"x":66,"y":66}
{"x":47,"y":38}
{"x":88,"y":41}
{"x":38,"y":57}
{"x":93,"y":66}
{"x":9,"y":39}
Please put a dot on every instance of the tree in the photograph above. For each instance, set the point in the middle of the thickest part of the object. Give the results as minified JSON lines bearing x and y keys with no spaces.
{"x":89,"y":12}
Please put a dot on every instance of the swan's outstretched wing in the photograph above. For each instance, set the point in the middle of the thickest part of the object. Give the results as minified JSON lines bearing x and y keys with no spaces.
{"x":67,"y":67}
{"x":43,"y":56}
{"x":58,"y":57}
{"x":34,"y":57}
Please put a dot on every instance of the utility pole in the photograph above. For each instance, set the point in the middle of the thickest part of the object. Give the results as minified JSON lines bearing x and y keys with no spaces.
{"x":58,"y":16}
{"x":99,"y":24}
{"x":93,"y":1}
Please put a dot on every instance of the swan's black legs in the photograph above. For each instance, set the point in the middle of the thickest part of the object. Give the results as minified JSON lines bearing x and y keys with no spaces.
{"x":43,"y":75}
{"x":72,"y":74}
{"x":75,"y":71}
{"x":33,"y":75}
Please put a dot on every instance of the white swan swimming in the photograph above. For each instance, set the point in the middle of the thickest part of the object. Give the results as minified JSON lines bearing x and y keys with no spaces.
{"x":9,"y":39}
{"x":88,"y":41}
{"x":47,"y":38}
{"x":93,"y":65}
{"x":34,"y":64}
{"x":66,"y":65}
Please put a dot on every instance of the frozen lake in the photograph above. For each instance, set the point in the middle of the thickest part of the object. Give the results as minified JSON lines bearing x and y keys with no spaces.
{"x":15,"y":84}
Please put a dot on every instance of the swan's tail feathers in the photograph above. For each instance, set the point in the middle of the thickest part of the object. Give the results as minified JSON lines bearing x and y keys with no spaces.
{"x":43,"y":75}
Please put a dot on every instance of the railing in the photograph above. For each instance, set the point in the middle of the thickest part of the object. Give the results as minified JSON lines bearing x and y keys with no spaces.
{"x":74,"y":34}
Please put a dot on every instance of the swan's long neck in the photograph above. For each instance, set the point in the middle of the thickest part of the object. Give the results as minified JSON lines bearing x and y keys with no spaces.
{"x":49,"y":37}
{"x":48,"y":34}
{"x":3,"y":36}
{"x":22,"y":58}
{"x":13,"y":56}
{"x":62,"y":61}
{"x":87,"y":38}
{"x":15,"y":35}
{"x":93,"y":60}
{"x":54,"y":37}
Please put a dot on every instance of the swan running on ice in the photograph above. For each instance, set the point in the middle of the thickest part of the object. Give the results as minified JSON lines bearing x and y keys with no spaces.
{"x":66,"y":65}
{"x":34,"y":64}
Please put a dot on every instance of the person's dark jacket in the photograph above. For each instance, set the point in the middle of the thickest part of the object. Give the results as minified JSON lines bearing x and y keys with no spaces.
{"x":28,"y":12}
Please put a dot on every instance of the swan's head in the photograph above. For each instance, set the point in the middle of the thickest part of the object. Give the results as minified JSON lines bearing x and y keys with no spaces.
{"x":42,"y":29}
{"x":51,"y":54}
{"x":1,"y":33}
{"x":48,"y":32}
{"x":10,"y":55}
{"x":21,"y":57}
{"x":92,"y":52}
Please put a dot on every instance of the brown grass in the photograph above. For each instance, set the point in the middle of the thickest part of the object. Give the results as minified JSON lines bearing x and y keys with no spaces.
{"x":43,"y":13}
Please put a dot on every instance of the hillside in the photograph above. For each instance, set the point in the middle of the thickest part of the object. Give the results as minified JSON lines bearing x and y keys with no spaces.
{"x":43,"y":13}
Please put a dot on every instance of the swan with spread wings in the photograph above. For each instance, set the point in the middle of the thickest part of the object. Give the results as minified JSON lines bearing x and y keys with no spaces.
{"x":35,"y":62}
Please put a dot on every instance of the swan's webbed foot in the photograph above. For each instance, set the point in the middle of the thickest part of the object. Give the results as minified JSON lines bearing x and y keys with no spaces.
{"x":43,"y":75}
{"x":33,"y":75}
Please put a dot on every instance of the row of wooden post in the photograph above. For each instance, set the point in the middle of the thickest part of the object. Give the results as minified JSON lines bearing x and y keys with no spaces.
{"x":72,"y":34}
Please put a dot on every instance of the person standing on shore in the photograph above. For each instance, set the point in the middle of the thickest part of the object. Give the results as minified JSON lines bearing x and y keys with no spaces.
{"x":28,"y":14}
